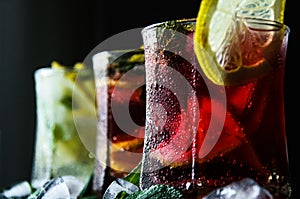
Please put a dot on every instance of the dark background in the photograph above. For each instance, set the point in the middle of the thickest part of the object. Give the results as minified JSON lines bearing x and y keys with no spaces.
{"x":34,"y":33}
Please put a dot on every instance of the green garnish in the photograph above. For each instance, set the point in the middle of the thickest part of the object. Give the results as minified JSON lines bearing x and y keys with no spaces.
{"x":67,"y":101}
{"x":134,"y":175}
{"x":157,"y":191}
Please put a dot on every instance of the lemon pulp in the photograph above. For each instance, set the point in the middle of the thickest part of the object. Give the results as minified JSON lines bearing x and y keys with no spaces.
{"x":218,"y":45}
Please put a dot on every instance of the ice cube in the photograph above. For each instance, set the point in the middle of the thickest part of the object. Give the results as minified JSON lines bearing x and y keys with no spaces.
{"x":117,"y":186}
{"x":74,"y":185}
{"x":240,"y":98}
{"x":55,"y":188}
{"x":19,"y":190}
{"x":245,"y":188}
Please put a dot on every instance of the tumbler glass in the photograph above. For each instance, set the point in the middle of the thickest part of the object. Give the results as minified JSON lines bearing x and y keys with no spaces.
{"x":65,"y":116}
{"x":120,"y":94}
{"x":200,"y":136}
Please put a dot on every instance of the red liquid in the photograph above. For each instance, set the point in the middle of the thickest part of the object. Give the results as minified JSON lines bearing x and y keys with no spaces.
{"x":249,"y":127}
{"x":124,"y":97}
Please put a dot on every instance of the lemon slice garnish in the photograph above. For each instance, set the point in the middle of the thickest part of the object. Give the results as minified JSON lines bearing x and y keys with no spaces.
{"x":225,"y":57}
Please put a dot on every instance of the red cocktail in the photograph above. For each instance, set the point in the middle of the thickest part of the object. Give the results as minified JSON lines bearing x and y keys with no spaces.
{"x":120,"y":89}
{"x":201,"y":135}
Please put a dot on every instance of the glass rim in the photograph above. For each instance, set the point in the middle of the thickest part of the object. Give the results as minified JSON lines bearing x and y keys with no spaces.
{"x":102,"y":59}
{"x":115,"y":51}
{"x":158,"y":24}
{"x":277,"y":24}
{"x":47,"y":71}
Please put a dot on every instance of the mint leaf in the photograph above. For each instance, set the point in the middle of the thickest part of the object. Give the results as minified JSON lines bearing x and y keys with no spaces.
{"x":134,"y":175}
{"x":157,"y":191}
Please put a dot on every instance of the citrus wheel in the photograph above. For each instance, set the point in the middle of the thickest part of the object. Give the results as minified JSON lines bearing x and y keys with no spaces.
{"x":228,"y":42}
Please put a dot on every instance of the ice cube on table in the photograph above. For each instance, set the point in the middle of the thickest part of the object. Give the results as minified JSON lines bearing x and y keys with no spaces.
{"x":75,"y":186}
{"x":62,"y":187}
{"x":52,"y":189}
{"x":21,"y":189}
{"x":245,"y":188}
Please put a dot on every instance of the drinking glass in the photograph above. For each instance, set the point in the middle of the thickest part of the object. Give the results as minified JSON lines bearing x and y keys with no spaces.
{"x":65,"y":111}
{"x":200,"y":136}
{"x":120,"y":95}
